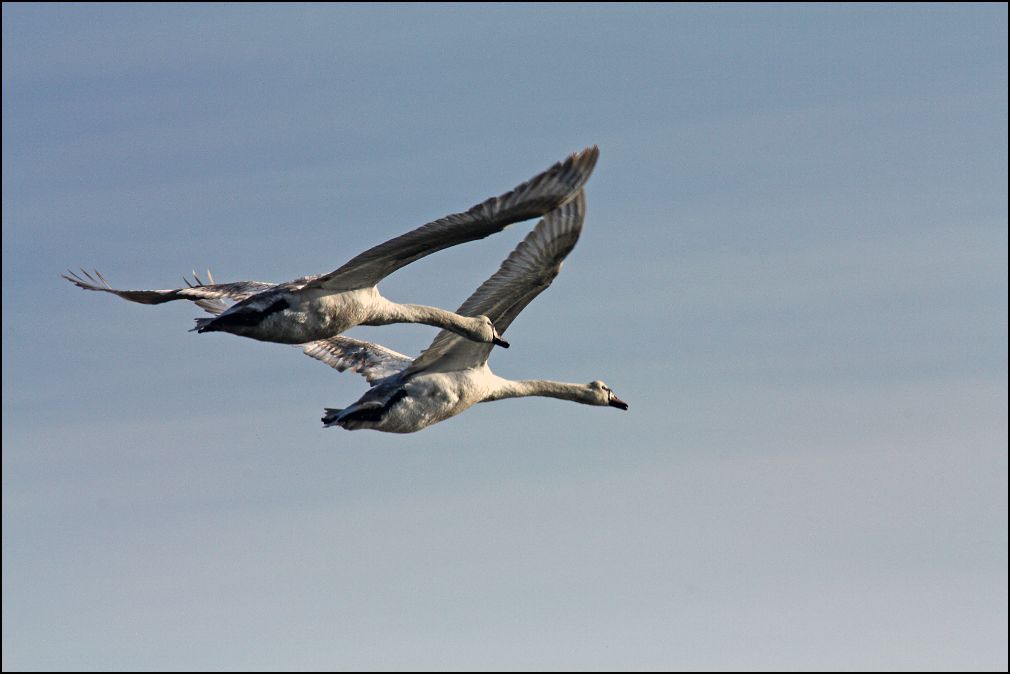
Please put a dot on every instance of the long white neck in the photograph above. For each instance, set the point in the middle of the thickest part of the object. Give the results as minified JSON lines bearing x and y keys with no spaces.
{"x":391,"y":312}
{"x":579,"y":393}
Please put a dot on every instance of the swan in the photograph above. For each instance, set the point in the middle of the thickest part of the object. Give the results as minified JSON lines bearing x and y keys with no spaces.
{"x":315,"y":307}
{"x":452,"y":374}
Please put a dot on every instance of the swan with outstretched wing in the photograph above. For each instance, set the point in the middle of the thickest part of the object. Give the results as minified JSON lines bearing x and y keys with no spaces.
{"x":452,"y":374}
{"x":316,"y":307}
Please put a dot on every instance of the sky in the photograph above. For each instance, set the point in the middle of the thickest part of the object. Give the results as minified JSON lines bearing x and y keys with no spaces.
{"x":793,"y":268}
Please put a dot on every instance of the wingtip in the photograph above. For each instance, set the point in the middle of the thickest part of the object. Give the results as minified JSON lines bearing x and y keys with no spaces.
{"x":579,"y":166}
{"x":78,"y":280}
{"x":589,"y":155}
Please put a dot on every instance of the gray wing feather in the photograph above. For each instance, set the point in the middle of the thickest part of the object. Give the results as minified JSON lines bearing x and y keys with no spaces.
{"x":543,"y":193}
{"x":373,"y":361}
{"x":207,"y":296}
{"x":528,"y":271}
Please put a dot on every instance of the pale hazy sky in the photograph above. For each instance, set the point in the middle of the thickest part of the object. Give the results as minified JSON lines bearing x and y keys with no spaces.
{"x":794,"y":269}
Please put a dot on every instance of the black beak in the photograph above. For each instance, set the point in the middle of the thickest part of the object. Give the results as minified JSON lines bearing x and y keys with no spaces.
{"x":498,"y":341}
{"x":618,"y":403}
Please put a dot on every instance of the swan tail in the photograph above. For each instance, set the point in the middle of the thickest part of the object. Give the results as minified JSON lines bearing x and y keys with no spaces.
{"x":204,"y":325}
{"x":330,"y":417}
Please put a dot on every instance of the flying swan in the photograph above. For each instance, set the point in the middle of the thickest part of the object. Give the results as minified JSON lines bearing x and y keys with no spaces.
{"x":452,"y":374}
{"x":320,"y":306}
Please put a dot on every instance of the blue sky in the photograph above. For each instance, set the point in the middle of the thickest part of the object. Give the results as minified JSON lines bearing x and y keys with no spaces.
{"x":794,"y":269}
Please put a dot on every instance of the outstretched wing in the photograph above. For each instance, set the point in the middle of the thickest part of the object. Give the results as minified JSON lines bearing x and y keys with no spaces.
{"x":209,"y":297}
{"x":526,"y":273}
{"x":547,"y":191}
{"x":372,"y":361}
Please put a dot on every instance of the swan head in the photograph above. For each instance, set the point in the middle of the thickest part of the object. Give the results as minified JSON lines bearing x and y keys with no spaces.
{"x":484,"y":331}
{"x":603,"y":395}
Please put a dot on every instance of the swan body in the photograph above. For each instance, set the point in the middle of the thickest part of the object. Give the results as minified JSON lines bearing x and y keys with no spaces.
{"x":452,"y":375}
{"x":298,"y":317}
{"x":316,"y":307}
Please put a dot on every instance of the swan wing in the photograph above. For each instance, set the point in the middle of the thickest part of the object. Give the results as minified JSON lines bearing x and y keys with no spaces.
{"x":526,"y":273}
{"x":209,"y":296}
{"x":537,"y":196}
{"x":372,"y":361}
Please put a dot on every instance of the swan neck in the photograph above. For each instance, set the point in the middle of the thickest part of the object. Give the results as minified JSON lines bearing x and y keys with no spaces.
{"x":419,"y":313}
{"x":543,"y":388}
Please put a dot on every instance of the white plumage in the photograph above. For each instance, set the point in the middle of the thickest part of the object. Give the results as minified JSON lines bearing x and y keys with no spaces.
{"x":315,"y":307}
{"x":452,"y":374}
